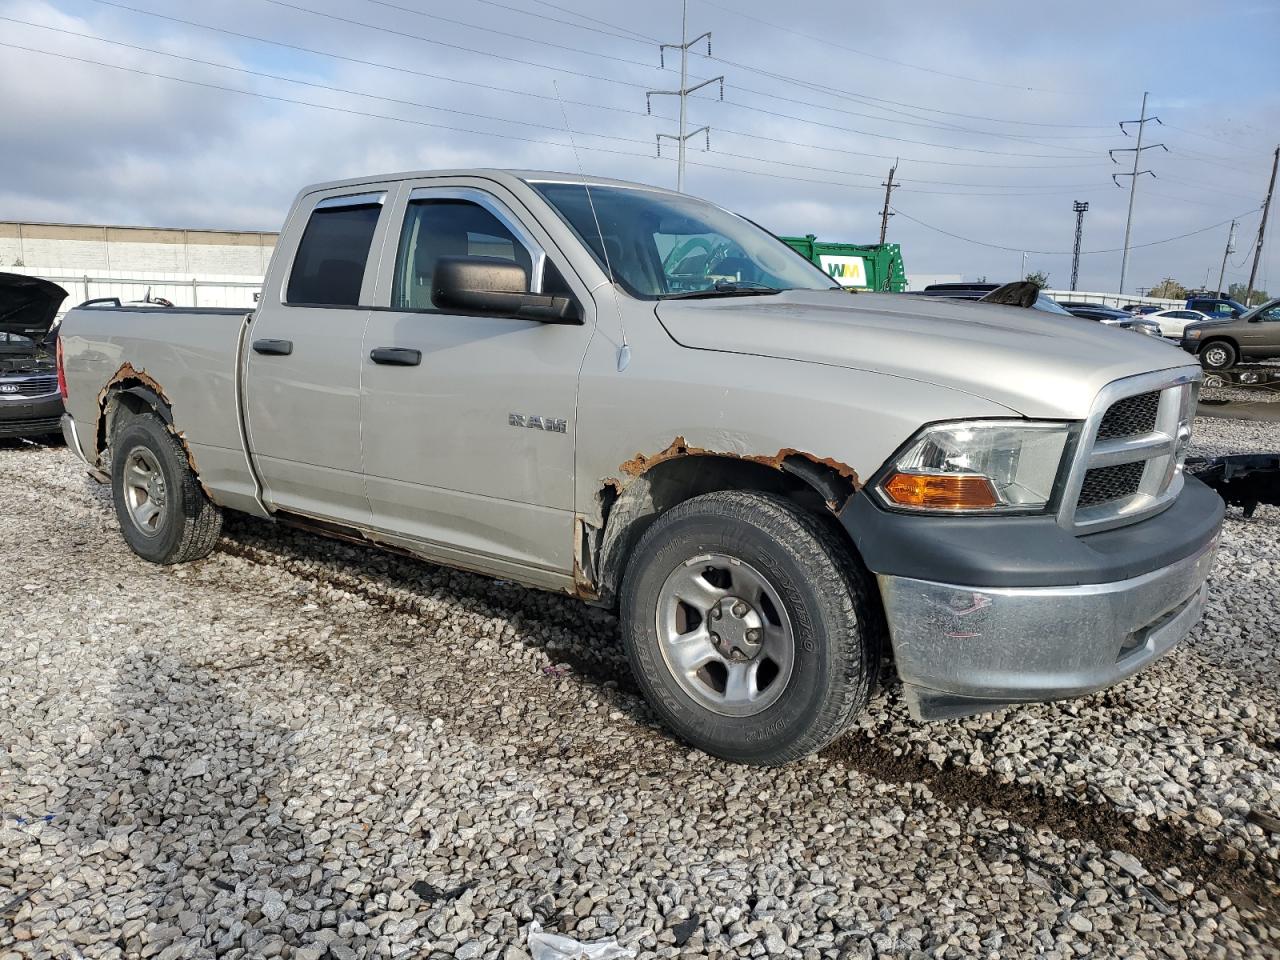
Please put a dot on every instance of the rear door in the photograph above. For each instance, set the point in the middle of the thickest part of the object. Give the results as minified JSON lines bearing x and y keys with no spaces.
{"x":469,"y":435}
{"x":302,"y":365}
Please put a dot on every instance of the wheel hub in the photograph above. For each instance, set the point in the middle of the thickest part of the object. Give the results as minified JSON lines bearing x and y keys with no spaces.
{"x":736,"y":629}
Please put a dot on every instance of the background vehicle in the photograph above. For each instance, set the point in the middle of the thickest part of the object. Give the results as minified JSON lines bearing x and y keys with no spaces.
{"x":769,"y":478}
{"x":1140,"y":309}
{"x":1221,"y":344}
{"x":857,"y":266}
{"x":1112,"y":317}
{"x":1173,"y":322}
{"x":976,"y":291}
{"x":1217,"y":307}
{"x":30,"y":404}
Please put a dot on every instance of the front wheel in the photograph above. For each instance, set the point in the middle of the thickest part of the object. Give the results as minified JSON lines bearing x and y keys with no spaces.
{"x":164,"y":515}
{"x":750,"y":627}
{"x":1218,"y":355}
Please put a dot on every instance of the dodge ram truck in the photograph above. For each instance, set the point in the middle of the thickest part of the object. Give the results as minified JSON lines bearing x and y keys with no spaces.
{"x":647,"y":402}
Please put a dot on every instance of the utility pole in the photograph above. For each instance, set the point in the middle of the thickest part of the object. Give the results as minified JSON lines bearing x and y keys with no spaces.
{"x":1142,"y":122}
{"x":1079,"y":206}
{"x":1231,"y":236}
{"x":682,"y":138}
{"x":885,"y":214}
{"x":1262,"y":227}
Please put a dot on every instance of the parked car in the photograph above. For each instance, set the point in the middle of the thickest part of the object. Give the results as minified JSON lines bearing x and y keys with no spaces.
{"x":1173,"y":322}
{"x":30,"y":404}
{"x":1140,"y":309}
{"x":1221,"y":344}
{"x":1220,"y":308}
{"x":767,"y":477}
{"x":977,"y":291}
{"x":1111,"y":317}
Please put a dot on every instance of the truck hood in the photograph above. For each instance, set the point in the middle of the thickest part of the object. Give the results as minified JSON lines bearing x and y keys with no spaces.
{"x":1034,"y":363}
{"x":28,"y":305}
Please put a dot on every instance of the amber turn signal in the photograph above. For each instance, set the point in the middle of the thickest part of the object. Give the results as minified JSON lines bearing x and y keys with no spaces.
{"x":952,"y":491}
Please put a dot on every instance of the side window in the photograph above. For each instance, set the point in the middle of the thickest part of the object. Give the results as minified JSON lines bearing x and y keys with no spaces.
{"x":447,"y":228}
{"x":332,"y":254}
{"x":1271,"y":315}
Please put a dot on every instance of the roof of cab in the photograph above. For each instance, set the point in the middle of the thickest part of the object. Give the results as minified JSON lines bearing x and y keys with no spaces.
{"x":508,"y":177}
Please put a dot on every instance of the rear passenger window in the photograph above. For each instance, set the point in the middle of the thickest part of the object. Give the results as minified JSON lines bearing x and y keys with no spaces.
{"x":329,"y":267}
{"x":447,"y":228}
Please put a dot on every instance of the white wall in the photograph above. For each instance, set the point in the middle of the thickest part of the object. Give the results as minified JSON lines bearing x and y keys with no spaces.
{"x":205,"y":268}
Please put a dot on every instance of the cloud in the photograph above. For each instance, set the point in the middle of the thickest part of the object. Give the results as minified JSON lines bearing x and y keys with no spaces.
{"x":90,"y":143}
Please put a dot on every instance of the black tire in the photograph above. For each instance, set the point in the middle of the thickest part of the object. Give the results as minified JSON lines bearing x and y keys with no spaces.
{"x":1218,"y":355}
{"x":187,"y":524}
{"x":828,"y":597}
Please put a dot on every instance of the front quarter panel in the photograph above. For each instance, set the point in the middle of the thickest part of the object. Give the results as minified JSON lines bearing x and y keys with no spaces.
{"x":671,"y":398}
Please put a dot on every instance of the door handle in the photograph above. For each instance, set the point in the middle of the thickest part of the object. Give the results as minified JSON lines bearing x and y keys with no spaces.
{"x":396,"y":356}
{"x":274,"y":348}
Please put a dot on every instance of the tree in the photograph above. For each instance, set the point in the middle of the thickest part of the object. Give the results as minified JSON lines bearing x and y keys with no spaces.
{"x":1237,"y":291}
{"x":1169,"y":289}
{"x":1039,"y":278}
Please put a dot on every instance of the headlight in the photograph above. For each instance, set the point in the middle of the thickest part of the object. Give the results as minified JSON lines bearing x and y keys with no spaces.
{"x":985,"y":466}
{"x":1193,"y":334}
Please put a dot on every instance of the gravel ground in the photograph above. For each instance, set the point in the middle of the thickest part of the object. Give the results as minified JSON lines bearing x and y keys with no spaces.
{"x":302,"y":748}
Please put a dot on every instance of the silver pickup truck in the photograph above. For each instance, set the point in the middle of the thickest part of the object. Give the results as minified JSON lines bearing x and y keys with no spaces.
{"x":642,"y":400}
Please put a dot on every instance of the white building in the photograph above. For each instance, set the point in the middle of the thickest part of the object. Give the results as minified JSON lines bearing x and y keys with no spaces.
{"x":202,"y":268}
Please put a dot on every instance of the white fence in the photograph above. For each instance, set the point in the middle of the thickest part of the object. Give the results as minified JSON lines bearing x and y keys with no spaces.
{"x":206,"y":290}
{"x":1113,"y":299}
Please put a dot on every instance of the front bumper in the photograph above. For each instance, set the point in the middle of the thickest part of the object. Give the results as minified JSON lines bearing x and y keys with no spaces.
{"x":964,"y":650}
{"x":30,"y":417}
{"x":985,"y":612}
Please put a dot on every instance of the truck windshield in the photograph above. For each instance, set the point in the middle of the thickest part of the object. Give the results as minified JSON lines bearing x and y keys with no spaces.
{"x":663,"y":245}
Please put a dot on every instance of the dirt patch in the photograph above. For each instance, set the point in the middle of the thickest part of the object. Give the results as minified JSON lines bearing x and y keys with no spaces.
{"x":1160,"y":848}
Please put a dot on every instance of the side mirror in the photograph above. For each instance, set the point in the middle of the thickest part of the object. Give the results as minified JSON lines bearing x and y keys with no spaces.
{"x":494,"y":287}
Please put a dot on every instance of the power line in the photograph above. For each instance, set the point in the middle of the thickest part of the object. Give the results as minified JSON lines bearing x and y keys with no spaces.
{"x":1064,"y":253}
{"x":864,"y":53}
{"x":313,"y":84}
{"x":462,"y":23}
{"x":825,"y":182}
{"x":543,"y":66}
{"x":554,"y":127}
{"x":387,"y":3}
{"x":542,"y":17}
{"x":865,"y":100}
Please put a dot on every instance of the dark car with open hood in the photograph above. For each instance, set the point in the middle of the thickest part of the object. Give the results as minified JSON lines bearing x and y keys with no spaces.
{"x":30,"y":402}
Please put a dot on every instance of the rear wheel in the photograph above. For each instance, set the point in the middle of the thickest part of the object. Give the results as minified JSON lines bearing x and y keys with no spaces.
{"x":750,"y":627}
{"x":164,"y":515}
{"x":1217,"y":355}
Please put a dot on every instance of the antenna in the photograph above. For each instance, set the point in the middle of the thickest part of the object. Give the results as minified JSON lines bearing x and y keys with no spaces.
{"x":624,"y":351}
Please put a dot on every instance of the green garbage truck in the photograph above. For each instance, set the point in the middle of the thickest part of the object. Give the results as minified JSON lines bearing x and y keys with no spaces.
{"x":858,"y":266}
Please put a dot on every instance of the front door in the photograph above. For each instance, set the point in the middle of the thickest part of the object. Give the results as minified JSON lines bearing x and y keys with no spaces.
{"x":1261,"y":337}
{"x":469,"y":420}
{"x":302,"y":378}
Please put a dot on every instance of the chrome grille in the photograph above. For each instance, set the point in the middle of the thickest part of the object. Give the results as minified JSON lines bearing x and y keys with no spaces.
{"x":30,"y":387}
{"x":1130,"y":417}
{"x":1129,"y":460}
{"x":1104,"y":484}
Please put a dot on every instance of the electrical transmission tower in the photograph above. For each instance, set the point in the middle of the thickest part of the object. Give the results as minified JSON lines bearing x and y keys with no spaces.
{"x":1142,"y":122}
{"x":683,"y":137}
{"x":1079,"y":206}
{"x":886,"y":213}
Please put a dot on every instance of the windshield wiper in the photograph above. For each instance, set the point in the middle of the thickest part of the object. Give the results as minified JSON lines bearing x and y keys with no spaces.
{"x":727,"y":288}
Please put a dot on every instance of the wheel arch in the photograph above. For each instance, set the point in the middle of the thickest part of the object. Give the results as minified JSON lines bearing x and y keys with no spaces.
{"x":819,"y":487}
{"x":132,"y":393}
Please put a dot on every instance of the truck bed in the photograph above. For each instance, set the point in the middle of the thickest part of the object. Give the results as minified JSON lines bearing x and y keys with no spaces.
{"x":189,"y":357}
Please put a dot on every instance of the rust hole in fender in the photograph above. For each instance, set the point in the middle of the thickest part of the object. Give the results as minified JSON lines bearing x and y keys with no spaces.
{"x":837,"y":481}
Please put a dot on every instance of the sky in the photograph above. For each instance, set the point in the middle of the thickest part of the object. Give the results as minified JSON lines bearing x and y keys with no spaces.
{"x":1000,"y":113}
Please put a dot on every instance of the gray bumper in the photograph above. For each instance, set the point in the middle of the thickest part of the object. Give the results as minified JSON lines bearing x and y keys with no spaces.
{"x":964,"y":650}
